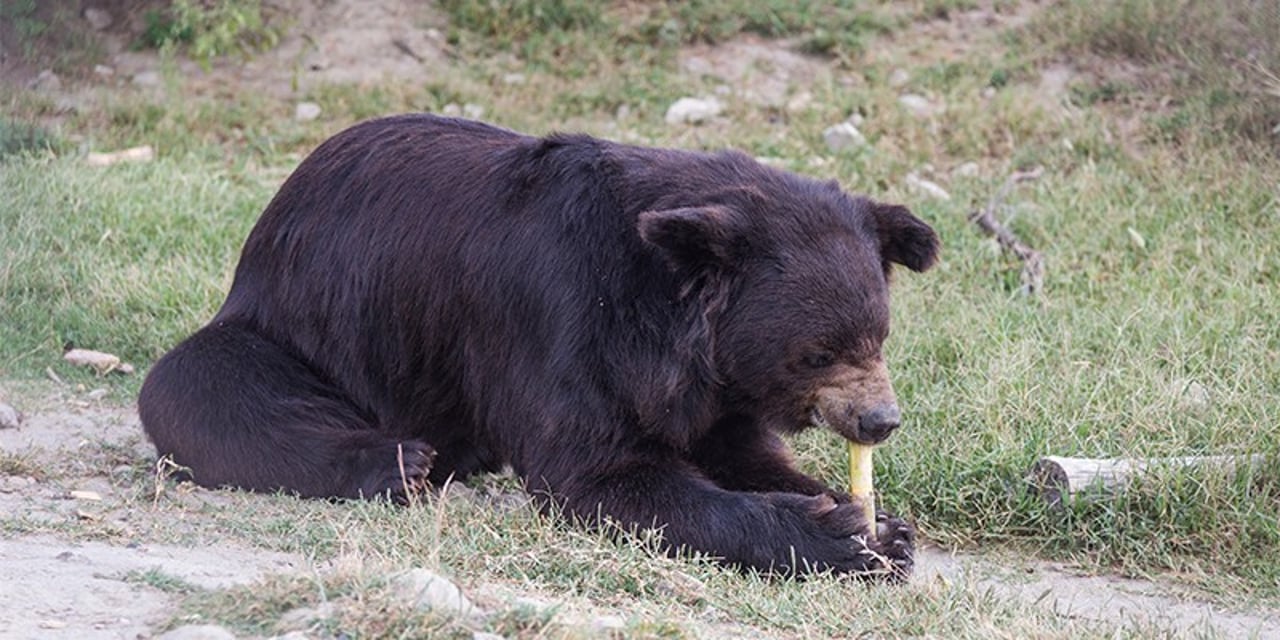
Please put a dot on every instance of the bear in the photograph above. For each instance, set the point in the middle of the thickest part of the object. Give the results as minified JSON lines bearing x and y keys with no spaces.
{"x":630,"y":330}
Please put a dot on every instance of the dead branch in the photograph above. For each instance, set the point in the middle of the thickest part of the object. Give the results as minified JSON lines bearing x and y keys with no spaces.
{"x":1032,"y":260}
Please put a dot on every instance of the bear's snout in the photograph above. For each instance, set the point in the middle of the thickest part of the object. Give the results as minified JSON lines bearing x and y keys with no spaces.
{"x":858,"y":403}
{"x":876,"y":424}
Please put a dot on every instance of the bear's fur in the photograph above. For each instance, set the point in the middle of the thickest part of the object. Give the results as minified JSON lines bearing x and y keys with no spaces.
{"x":630,"y":329}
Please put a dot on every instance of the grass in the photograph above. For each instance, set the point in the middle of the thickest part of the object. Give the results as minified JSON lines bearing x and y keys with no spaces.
{"x":1157,"y":213}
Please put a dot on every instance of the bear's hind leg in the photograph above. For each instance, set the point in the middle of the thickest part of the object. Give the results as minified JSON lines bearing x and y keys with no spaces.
{"x":238,"y":410}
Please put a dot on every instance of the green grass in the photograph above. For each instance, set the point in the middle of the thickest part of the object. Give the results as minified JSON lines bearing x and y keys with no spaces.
{"x":129,"y":259}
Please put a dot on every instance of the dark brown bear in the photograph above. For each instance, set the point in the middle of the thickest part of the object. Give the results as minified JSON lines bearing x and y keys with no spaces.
{"x":629,"y":329}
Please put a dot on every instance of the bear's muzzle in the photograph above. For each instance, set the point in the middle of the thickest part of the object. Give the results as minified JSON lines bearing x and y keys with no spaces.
{"x":858,"y":403}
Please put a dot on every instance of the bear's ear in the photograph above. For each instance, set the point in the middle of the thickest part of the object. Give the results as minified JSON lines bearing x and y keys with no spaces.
{"x":692,"y":236}
{"x":904,"y":238}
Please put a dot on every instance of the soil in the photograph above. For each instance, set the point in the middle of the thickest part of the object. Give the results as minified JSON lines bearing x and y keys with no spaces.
{"x":86,"y":590}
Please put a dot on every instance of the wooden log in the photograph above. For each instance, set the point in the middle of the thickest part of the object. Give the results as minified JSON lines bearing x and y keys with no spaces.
{"x":1058,"y":478}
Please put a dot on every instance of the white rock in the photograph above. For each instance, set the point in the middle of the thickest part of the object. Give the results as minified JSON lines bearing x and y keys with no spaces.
{"x":799,"y":102}
{"x":197,"y":632}
{"x":899,"y":78}
{"x":306,"y":111}
{"x":103,"y":71}
{"x":428,"y":590}
{"x":693,"y":110}
{"x":843,"y":136}
{"x":147,"y":78}
{"x":917,"y":104}
{"x":1195,"y":394}
{"x":103,"y":361}
{"x":99,"y":19}
{"x":452,"y":110}
{"x":480,"y":635}
{"x":47,"y":80}
{"x":97,"y":394}
{"x":606,"y":624}
{"x":855,"y":119}
{"x":514,"y":79}
{"x":9,"y":417}
{"x":927,"y":187}
{"x":966,"y":170}
{"x":473,"y":111}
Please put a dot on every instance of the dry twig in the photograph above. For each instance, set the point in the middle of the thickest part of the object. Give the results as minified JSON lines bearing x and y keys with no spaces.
{"x":1032,"y":260}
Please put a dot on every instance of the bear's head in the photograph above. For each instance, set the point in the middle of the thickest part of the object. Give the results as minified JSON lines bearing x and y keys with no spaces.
{"x":793,"y":279}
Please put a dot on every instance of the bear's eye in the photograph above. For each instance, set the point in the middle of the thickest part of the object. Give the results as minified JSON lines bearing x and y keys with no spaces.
{"x":820,"y":360}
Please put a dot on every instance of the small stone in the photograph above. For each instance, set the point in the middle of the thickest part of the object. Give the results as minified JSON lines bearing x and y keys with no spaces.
{"x":473,"y":111}
{"x":306,"y":111}
{"x":606,"y":624}
{"x":147,"y":78}
{"x":899,"y":78}
{"x":103,"y":71}
{"x":1195,"y":394}
{"x":855,"y":119}
{"x":918,"y":105}
{"x":966,"y":170}
{"x":99,"y":19}
{"x":988,"y":93}
{"x":293,"y":635}
{"x":481,"y":635}
{"x":840,"y":137}
{"x":47,"y":80}
{"x":927,"y":187}
{"x":623,"y":112}
{"x":427,"y":590}
{"x":693,"y":110}
{"x":97,"y":394}
{"x":197,"y":632}
{"x":514,"y":79}
{"x":452,"y":110}
{"x":799,"y":102}
{"x":9,"y":417}
{"x":302,"y":617}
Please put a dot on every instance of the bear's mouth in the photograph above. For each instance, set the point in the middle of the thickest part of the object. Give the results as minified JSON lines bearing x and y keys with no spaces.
{"x":854,"y":434}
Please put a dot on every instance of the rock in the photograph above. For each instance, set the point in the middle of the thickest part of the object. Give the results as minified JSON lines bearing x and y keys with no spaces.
{"x":473,"y":111}
{"x":693,"y":110}
{"x":99,"y":19}
{"x":899,"y":78}
{"x":603,"y":625}
{"x":97,"y":394}
{"x":293,"y":635}
{"x":197,"y":632}
{"x":480,"y":635}
{"x":147,"y":78}
{"x":103,"y":71}
{"x":428,"y":590}
{"x":9,"y":417}
{"x":799,"y":102}
{"x":917,"y":104}
{"x":302,"y":617}
{"x":452,"y":110}
{"x":514,"y":79}
{"x":306,"y":111}
{"x":105,"y":362}
{"x":927,"y":187}
{"x":843,"y":136}
{"x":855,"y":119}
{"x":966,"y":170}
{"x":47,"y":80}
{"x":1195,"y":395}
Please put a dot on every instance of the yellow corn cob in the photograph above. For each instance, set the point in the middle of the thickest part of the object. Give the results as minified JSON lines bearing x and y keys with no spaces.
{"x":860,"y":482}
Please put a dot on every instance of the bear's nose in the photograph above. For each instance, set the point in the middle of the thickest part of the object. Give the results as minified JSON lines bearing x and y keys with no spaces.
{"x":877,"y":423}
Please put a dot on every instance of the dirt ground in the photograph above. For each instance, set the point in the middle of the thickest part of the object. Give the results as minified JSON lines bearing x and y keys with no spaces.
{"x":53,"y":588}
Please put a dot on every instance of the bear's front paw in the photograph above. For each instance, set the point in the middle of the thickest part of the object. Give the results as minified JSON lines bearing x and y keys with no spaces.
{"x":893,"y":549}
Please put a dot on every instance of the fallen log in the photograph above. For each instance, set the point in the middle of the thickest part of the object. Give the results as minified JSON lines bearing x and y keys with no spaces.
{"x":1058,"y":478}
